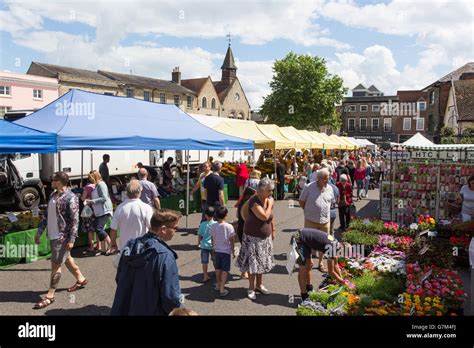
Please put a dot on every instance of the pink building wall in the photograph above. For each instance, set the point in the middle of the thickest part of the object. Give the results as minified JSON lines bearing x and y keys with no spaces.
{"x":21,"y":91}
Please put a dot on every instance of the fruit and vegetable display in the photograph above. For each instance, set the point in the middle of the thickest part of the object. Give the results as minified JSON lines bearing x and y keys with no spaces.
{"x":25,"y":221}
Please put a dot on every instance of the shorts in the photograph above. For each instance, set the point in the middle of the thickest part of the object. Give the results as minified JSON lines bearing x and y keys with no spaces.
{"x":322,"y":227}
{"x":205,"y":253}
{"x":59,"y":254}
{"x":223,"y":262}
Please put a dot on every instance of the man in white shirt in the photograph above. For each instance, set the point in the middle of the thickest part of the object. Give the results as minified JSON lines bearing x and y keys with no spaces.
{"x":132,"y":217}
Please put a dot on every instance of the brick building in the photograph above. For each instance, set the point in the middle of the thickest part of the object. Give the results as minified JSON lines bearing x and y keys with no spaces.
{"x":413,"y":118}
{"x":438,"y":96}
{"x":363,"y":115}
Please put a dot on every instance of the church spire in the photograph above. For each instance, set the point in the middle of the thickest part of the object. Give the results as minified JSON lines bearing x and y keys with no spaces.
{"x":229,"y":70}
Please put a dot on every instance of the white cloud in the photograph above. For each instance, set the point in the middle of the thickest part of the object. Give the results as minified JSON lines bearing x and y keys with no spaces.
{"x":252,"y":22}
{"x":377,"y":66}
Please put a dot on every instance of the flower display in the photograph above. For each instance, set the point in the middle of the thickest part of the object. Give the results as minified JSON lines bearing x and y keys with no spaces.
{"x":391,"y":227}
{"x":435,"y":281}
{"x":460,"y":242}
{"x":396,"y":243}
{"x":426,"y":222}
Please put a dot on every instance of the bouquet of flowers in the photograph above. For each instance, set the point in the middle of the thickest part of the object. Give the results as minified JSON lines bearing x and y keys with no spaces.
{"x":436,"y":281}
{"x":426,"y":222}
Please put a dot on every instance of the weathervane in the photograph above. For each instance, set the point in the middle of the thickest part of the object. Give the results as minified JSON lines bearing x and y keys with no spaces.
{"x":228,"y":35}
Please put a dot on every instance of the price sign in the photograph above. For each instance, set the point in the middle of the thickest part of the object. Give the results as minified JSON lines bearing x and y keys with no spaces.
{"x":12,"y":217}
{"x":335,"y":292}
{"x":412,"y":310}
{"x":426,"y":275}
{"x":424,"y":250}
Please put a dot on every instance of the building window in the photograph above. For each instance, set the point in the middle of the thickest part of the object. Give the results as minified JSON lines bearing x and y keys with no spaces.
{"x":375,"y":125}
{"x":387,"y":124}
{"x":213,"y":103}
{"x":176,"y":100}
{"x":37,"y":94}
{"x":3,"y":110}
{"x":375,"y":108}
{"x":232,"y":115}
{"x":5,"y":90}
{"x":352,"y":108}
{"x":240,"y":115}
{"x":351,"y":125}
{"x":432,"y":97}
{"x":146,"y":96}
{"x":364,"y":108}
{"x":189,"y":102}
{"x":162,"y":98}
{"x":422,"y":106}
{"x":406,"y":123}
{"x":363,"y":124}
{"x":129,"y":92}
{"x":204,"y":102}
{"x":430,"y":123}
{"x":420,"y":124}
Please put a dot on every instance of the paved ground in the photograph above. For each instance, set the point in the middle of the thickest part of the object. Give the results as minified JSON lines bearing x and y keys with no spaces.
{"x":21,"y":285}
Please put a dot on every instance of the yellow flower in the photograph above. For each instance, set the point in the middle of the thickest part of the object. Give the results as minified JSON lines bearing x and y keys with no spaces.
{"x":428,"y":299}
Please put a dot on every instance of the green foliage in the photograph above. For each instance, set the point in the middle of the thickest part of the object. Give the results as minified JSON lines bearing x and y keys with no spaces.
{"x":303,"y":93}
{"x":358,"y":237}
{"x":371,"y":286}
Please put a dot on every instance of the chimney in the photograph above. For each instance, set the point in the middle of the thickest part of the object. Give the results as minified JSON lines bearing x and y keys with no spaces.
{"x":176,"y":76}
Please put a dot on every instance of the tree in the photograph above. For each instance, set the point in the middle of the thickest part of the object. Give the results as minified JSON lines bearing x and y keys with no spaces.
{"x":303,"y":94}
{"x":448,"y":136}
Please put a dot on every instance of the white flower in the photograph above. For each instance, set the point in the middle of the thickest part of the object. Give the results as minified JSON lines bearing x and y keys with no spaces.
{"x":413,"y":226}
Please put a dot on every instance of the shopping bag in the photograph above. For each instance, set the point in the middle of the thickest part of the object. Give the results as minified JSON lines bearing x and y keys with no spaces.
{"x":292,"y":257}
{"x":87,"y":212}
{"x":353,"y":211}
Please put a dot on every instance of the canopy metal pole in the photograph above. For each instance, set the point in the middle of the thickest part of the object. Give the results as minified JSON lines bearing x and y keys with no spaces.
{"x":187,"y":187}
{"x":276,"y":175}
{"x":82,"y":167}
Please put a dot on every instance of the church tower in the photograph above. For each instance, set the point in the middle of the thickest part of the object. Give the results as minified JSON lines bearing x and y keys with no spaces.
{"x":229,"y":70}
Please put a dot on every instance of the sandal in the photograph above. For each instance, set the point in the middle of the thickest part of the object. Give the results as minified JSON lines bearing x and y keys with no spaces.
{"x":112,"y":251}
{"x":89,"y":251}
{"x":45,"y":302}
{"x":78,"y":285}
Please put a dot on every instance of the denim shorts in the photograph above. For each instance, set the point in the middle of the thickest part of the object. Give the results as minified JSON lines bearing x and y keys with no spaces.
{"x":223,"y":262}
{"x":205,"y":256}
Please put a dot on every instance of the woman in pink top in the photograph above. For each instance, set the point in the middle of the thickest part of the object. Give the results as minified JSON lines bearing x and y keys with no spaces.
{"x":359,"y":177}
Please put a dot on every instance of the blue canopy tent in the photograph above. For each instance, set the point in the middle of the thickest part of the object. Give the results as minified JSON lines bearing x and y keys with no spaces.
{"x":18,"y":139}
{"x":89,"y":121}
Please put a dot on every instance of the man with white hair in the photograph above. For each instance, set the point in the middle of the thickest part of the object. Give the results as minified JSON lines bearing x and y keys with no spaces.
{"x":316,"y":200}
{"x":132,"y":217}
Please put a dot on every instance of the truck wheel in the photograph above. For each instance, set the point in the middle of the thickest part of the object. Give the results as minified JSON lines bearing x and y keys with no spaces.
{"x":29,"y":198}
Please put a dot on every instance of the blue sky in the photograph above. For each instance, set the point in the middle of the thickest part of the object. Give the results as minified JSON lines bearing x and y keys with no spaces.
{"x":392,"y":44}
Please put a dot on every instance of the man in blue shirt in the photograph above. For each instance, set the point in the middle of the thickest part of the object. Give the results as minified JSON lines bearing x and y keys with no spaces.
{"x":147,"y":276}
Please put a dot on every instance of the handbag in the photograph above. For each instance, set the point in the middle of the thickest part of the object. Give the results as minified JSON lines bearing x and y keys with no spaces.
{"x":87,"y":212}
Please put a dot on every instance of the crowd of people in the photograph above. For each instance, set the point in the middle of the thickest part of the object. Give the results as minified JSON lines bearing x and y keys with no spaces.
{"x":147,"y":273}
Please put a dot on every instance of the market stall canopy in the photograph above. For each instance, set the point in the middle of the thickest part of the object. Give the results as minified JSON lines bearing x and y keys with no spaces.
{"x":273,"y":132}
{"x":354,"y":141}
{"x":246,"y":130}
{"x":316,"y":141}
{"x":18,"y":139}
{"x":418,"y":140}
{"x":90,"y":121}
{"x":345,"y":141}
{"x":328,"y":143}
{"x":300,"y":140}
{"x":357,"y":141}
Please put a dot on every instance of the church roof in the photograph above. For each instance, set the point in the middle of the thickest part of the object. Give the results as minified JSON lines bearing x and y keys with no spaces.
{"x":194,"y":84}
{"x":229,"y":62}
